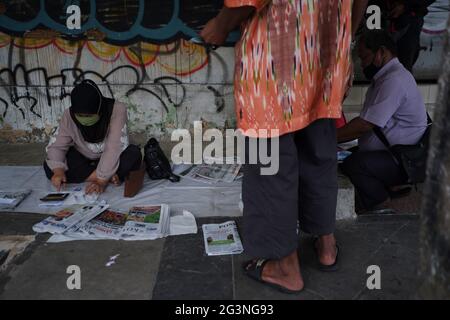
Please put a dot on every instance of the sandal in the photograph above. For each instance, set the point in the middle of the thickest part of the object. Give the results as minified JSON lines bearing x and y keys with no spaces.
{"x":254,"y":269}
{"x":323,"y":267}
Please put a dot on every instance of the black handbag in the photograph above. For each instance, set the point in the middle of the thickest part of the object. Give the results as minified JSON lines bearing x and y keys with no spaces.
{"x":156,"y":163}
{"x":412,"y":158}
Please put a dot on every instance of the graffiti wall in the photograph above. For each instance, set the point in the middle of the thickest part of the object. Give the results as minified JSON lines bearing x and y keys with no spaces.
{"x":138,"y":52}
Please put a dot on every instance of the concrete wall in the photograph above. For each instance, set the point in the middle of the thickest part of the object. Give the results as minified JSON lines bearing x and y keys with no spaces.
{"x":174,"y":84}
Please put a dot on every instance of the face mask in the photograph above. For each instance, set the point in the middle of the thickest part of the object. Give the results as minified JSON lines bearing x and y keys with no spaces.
{"x":88,"y":121}
{"x":371,"y":70}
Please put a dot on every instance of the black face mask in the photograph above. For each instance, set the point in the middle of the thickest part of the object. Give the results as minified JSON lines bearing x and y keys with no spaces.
{"x":371,"y":70}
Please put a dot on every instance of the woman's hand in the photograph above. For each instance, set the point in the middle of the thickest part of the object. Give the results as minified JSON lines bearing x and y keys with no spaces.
{"x":59,"y":178}
{"x":98,"y":186}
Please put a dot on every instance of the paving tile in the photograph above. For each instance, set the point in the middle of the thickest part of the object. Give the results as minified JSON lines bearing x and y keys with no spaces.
{"x":13,"y":223}
{"x":186,"y":272}
{"x":43,"y":275}
{"x":357,"y":244}
{"x":398,"y":260}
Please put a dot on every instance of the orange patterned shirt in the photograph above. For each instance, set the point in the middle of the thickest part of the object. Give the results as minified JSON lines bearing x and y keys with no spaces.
{"x":292,"y":63}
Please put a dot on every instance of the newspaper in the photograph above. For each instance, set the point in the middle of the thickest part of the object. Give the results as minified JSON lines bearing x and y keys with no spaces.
{"x":69,"y":218}
{"x":146,"y":222}
{"x":342,"y":155}
{"x":212,"y":173}
{"x":179,"y":224}
{"x":9,"y":200}
{"x":106,"y":225}
{"x":222,"y":239}
{"x":139,"y":223}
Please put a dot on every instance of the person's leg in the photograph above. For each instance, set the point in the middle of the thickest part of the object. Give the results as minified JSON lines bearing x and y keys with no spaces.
{"x":270,"y":215}
{"x":130,"y":160}
{"x":372,"y":173}
{"x":80,"y":168}
{"x":317,"y":153}
{"x":409,"y":44}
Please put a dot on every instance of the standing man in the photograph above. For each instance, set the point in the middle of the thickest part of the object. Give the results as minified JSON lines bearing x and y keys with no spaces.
{"x":406,"y":18}
{"x":292,"y":66}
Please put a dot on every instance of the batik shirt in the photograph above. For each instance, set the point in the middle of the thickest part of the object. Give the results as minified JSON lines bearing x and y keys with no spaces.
{"x":292,"y":63}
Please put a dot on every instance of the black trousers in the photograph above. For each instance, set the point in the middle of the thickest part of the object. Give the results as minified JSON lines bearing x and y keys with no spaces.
{"x":408,"y":45}
{"x":80,"y":167}
{"x":304,"y":190}
{"x":372,"y":173}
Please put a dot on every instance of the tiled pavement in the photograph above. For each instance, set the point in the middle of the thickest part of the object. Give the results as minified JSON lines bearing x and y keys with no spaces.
{"x":177,"y":267}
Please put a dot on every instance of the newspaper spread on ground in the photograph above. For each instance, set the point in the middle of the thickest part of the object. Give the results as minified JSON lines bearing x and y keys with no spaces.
{"x":222,"y":239}
{"x":146,"y":222}
{"x":212,"y":173}
{"x":9,"y":200}
{"x":177,"y":224}
{"x":72,"y":217}
{"x":106,"y":225}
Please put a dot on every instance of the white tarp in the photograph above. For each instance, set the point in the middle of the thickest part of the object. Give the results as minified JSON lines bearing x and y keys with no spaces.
{"x":203,"y":200}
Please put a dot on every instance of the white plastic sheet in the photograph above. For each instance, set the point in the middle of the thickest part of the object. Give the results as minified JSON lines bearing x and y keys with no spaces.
{"x":203,"y":200}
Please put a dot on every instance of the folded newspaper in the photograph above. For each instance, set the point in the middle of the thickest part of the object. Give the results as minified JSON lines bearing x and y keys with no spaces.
{"x":147,"y":222}
{"x":212,"y":173}
{"x":106,"y":225}
{"x":139,"y":223}
{"x":69,"y":218}
{"x":9,"y":200}
{"x":222,"y":239}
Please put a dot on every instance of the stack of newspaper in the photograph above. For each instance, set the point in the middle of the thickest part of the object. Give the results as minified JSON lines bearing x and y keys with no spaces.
{"x":9,"y":200}
{"x":94,"y":222}
{"x":222,"y":239}
{"x":212,"y":173}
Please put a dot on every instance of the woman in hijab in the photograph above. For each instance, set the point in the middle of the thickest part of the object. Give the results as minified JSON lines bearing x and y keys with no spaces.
{"x":91,"y":142}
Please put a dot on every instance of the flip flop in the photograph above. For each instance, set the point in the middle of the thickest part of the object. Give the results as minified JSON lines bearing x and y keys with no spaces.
{"x":254,"y":269}
{"x":327,"y":268}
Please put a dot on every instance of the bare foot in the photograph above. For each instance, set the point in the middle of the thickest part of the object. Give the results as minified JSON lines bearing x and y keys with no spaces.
{"x":284,"y":272}
{"x":326,"y":247}
{"x":115,"y":180}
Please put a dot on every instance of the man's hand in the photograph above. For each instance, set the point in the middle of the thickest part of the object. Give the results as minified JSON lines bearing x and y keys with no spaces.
{"x":397,"y":10}
{"x":217,"y":29}
{"x":59,"y":178}
{"x":355,"y":129}
{"x":214,"y":33}
{"x":97,"y":186}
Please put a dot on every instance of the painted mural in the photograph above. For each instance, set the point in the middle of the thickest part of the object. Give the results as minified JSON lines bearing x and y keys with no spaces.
{"x":137,"y":51}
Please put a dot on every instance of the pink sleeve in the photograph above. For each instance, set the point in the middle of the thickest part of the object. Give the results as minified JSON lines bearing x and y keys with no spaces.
{"x":59,"y":144}
{"x":258,"y":4}
{"x":114,"y":144}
